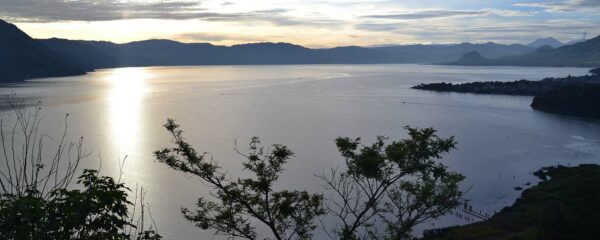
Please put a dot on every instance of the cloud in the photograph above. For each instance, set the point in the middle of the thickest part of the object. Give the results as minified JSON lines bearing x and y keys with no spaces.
{"x":483,"y":30}
{"x":106,"y":10}
{"x":272,"y":11}
{"x":557,"y":25}
{"x":276,"y":20}
{"x":215,"y":37}
{"x":98,"y":10}
{"x":41,"y":11}
{"x":563,"y":6}
{"x":315,"y":22}
{"x":431,"y":14}
{"x":378,"y":27}
{"x":428,"y":14}
{"x":525,"y":29}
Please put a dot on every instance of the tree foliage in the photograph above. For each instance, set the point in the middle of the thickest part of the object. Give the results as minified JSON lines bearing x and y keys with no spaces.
{"x":244,"y":202}
{"x":400,"y":184}
{"x":36,"y":200}
{"x":99,"y":211}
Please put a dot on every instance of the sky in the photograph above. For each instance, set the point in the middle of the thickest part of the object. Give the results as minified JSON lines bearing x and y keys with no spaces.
{"x":310,"y":23}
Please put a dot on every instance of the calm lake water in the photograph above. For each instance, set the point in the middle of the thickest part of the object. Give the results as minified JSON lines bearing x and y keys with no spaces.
{"x":120,"y":113}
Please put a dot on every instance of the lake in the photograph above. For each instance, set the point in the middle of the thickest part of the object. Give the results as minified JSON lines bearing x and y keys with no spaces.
{"x":120,"y":112}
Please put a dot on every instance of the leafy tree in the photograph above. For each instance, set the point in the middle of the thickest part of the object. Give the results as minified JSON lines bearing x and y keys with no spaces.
{"x":244,"y":202}
{"x":100,"y":211}
{"x":412,"y":202}
{"x":400,"y":184}
{"x":36,"y":200}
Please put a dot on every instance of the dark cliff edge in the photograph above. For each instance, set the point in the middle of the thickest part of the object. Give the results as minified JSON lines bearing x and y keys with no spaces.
{"x":576,"y":96}
{"x":562,"y":206}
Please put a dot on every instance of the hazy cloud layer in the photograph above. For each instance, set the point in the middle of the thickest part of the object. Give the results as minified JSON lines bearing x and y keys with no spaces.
{"x":488,"y":31}
{"x":106,"y":10}
{"x":429,"y":14}
{"x":97,"y":10}
{"x":307,"y":22}
{"x":564,"y":6}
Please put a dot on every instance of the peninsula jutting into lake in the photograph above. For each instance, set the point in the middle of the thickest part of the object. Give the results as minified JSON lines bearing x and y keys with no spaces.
{"x":578,"y":96}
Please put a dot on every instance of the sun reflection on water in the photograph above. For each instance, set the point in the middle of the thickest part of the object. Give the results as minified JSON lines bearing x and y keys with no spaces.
{"x":127,"y":90}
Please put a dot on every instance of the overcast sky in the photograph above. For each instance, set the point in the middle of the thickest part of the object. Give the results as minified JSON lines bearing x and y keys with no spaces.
{"x":311,"y":23}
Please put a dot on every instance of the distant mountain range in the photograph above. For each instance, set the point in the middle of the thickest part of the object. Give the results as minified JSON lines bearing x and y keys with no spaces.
{"x":582,"y":54}
{"x":167,"y":52}
{"x":22,"y":57}
{"x":436,"y":53}
{"x":550,"y":41}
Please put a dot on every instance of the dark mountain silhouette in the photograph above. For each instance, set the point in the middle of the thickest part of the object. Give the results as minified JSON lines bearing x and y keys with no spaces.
{"x":22,"y":57}
{"x":575,"y":41}
{"x":583,"y":54}
{"x":80,"y":53}
{"x":451,"y":52}
{"x":471,"y":59}
{"x":170,"y":53}
{"x":549,"y":41}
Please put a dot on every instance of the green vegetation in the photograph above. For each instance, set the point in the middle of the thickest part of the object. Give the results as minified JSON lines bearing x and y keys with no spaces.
{"x":243,"y":202}
{"x":36,"y":200}
{"x":383,"y":191}
{"x":577,"y":96}
{"x":563,"y":206}
{"x":521,"y":87}
{"x":578,"y":100}
{"x":398,"y":186}
{"x":99,"y":211}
